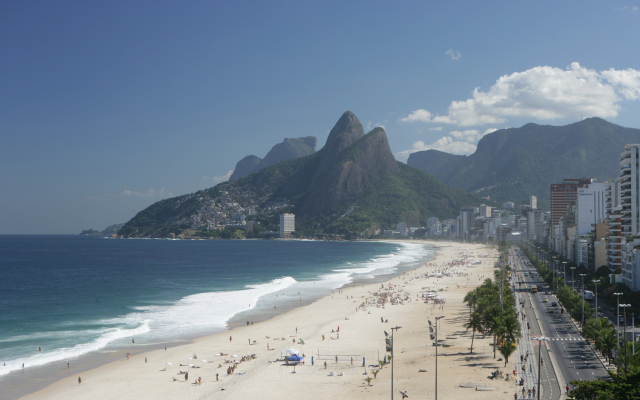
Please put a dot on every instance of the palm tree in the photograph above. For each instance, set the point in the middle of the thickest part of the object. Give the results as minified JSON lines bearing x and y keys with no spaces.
{"x":475,"y":323}
{"x":471,"y":298}
{"x":511,"y":327}
{"x":608,"y":342}
{"x":492,"y":323}
{"x":506,"y":350}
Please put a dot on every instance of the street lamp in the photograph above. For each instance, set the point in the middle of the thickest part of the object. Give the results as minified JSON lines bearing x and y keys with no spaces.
{"x":596,"y":283}
{"x":572,"y":268}
{"x":583,"y":275}
{"x":553,"y":269}
{"x":618,"y":318}
{"x":387,"y":334}
{"x":437,"y":318}
{"x":626,"y":359}
{"x":540,"y":340}
{"x":564,"y":273}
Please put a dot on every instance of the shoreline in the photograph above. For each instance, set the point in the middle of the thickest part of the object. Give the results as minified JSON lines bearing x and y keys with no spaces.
{"x":43,"y":376}
{"x":125,"y":378}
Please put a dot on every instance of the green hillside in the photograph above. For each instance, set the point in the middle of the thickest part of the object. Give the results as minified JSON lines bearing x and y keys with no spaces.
{"x":512,"y":164}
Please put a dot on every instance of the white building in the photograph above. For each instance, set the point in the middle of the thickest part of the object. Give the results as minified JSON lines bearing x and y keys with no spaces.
{"x":402,"y":228}
{"x":630,"y":214}
{"x":287,"y":224}
{"x":591,"y":207}
{"x":485,"y":211}
{"x":533,"y":202}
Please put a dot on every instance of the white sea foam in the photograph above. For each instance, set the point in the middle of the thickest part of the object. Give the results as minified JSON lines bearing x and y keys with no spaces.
{"x":43,"y":358}
{"x":206,"y":313}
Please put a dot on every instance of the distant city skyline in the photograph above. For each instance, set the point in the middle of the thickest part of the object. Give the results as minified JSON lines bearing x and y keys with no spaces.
{"x":108,"y":108}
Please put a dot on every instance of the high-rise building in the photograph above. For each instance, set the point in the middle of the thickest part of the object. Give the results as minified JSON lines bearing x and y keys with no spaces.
{"x":533,"y":202}
{"x":432,"y":221}
{"x":485,"y":211}
{"x":630,"y":213}
{"x":563,"y":195}
{"x":534,"y":224}
{"x":614,"y":223}
{"x":402,"y":228}
{"x":287,"y":224}
{"x":591,"y":207}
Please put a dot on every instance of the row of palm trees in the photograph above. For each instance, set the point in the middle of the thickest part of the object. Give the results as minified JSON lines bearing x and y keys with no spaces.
{"x":491,"y":314}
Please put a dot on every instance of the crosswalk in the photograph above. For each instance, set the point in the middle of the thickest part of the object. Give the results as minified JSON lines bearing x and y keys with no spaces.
{"x":566,"y":338}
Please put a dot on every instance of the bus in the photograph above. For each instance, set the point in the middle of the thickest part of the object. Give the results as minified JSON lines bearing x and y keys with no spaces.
{"x":534,"y":289}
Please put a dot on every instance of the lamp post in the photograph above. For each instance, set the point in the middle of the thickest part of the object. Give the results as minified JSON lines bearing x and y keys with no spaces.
{"x":626,"y":359}
{"x":583,"y":275}
{"x":618,"y":318}
{"x":392,"y":357}
{"x":596,"y":283}
{"x":539,"y":339}
{"x":553,"y":269}
{"x":564,"y":273}
{"x":437,"y":318}
{"x":572,"y":268}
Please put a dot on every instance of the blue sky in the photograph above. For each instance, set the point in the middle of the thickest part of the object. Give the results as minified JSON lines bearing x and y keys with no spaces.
{"x":108,"y":107}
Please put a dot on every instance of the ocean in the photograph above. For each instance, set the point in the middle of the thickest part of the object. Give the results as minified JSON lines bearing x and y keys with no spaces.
{"x":68,"y":299}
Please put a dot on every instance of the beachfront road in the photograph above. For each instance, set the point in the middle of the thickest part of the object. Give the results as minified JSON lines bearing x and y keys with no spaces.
{"x":573,"y":355}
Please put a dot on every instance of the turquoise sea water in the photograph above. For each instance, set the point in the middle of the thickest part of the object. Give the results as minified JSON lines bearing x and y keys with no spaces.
{"x":75,"y":296}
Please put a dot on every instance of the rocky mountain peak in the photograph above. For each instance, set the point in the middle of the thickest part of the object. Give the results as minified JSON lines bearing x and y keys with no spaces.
{"x":345,"y":132}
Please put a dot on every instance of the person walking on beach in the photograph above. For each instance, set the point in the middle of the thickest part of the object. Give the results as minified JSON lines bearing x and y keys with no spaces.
{"x":230,"y":339}
{"x":79,"y":381}
{"x":325,"y":365}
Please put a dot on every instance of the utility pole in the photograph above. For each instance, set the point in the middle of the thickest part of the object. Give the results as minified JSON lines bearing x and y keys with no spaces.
{"x":572,"y":268}
{"x":626,"y":359}
{"x":596,"y":283}
{"x":437,"y":318}
{"x":618,"y":318}
{"x":564,"y":273}
{"x":540,"y":339}
{"x":583,"y":275}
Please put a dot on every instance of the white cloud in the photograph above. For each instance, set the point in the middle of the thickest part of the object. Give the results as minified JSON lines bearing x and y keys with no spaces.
{"x":436,"y":128}
{"x":371,"y":125}
{"x":542,"y":93}
{"x":417,"y":115}
{"x":219,"y":178}
{"x":630,"y":8}
{"x":445,"y":143}
{"x":626,"y":82}
{"x":455,"y":55}
{"x":148,"y":193}
{"x":458,"y":142}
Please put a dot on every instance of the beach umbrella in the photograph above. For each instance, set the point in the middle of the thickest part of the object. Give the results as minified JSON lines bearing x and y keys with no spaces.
{"x":169,"y":364}
{"x":291,"y":351}
{"x":234,"y":356}
{"x":203,"y":360}
{"x":191,"y":365}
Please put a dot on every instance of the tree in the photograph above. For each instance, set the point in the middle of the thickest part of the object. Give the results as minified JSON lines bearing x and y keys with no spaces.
{"x":475,"y":323}
{"x":623,"y":387}
{"x":506,"y":350}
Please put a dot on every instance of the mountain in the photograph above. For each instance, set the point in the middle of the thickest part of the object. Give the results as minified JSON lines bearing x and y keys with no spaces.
{"x":288,"y":149}
{"x":108,"y":231}
{"x":512,"y":164}
{"x":352,"y":185}
{"x":434,"y":162}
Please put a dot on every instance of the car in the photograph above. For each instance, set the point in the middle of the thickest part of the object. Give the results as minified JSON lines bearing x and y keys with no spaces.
{"x":545,"y":300}
{"x":550,"y":311}
{"x":554,"y":304}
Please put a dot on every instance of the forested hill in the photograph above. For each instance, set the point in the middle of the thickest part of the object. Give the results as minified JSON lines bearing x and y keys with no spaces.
{"x":511,"y":164}
{"x":352,"y":185}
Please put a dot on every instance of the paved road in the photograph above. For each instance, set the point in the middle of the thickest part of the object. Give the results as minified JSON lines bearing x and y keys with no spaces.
{"x":550,"y":387}
{"x":573,"y":355}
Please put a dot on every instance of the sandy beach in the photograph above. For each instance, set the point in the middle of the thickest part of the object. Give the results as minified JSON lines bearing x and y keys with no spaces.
{"x":350,"y":321}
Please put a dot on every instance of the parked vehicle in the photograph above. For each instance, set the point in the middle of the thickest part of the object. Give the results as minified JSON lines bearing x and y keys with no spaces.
{"x":554,"y":304}
{"x":588,"y":295}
